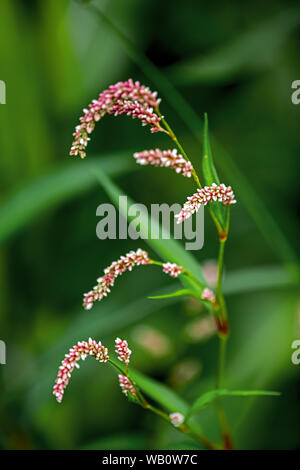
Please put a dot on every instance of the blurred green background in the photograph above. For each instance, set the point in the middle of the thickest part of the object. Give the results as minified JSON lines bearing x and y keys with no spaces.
{"x":233,"y":61}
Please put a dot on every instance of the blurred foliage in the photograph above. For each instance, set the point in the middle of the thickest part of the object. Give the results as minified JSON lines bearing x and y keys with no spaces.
{"x":235,"y":62}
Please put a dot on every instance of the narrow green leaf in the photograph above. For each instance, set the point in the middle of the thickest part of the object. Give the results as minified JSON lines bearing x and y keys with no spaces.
{"x":53,"y":189}
{"x":159,"y":393}
{"x":257,"y":279}
{"x":177,"y":293}
{"x":210,"y":174}
{"x":208,"y":397}
{"x":209,"y":170}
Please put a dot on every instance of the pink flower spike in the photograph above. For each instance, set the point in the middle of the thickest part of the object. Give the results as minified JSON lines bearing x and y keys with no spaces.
{"x":176,"y":418}
{"x":80,"y":351}
{"x":172,"y":269}
{"x":140,"y":103}
{"x":126,"y":385}
{"x":208,"y":294}
{"x":213,"y":193}
{"x":165,"y":158}
{"x":122,"y":350}
{"x":117,"y":268}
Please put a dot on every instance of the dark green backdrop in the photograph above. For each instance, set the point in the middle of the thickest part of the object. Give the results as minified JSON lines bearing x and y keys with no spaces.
{"x":238,"y":64}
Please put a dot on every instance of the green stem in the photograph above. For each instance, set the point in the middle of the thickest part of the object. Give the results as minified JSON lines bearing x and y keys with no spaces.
{"x":178,"y":144}
{"x":173,"y":137}
{"x":220,"y":267}
{"x":226,"y":436}
{"x":221,"y":313}
{"x":223,"y":334}
{"x":221,"y":361}
{"x":222,"y":316}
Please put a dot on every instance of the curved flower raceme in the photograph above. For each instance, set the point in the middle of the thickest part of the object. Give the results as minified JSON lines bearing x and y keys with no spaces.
{"x":213,"y":193}
{"x":165,"y":158}
{"x":130,"y":98}
{"x":117,"y":268}
{"x":80,"y":351}
{"x":126,"y":385}
{"x":123,"y":350}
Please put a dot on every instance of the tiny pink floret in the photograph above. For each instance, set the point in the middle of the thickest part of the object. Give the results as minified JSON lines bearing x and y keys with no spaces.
{"x":176,"y":418}
{"x":208,"y":294}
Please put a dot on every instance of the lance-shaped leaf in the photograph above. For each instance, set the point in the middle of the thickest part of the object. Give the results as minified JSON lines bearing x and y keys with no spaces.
{"x":210,"y":396}
{"x":183,"y":293}
{"x":54,"y":189}
{"x":210,"y":175}
{"x":177,"y":293}
{"x":209,"y":170}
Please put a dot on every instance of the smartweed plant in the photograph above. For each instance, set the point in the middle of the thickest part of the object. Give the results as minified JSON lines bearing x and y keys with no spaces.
{"x":138,"y":101}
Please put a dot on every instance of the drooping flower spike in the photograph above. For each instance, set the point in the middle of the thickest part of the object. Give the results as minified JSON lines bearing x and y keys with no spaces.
{"x":203,"y":196}
{"x":117,"y":268}
{"x":80,"y":351}
{"x":165,"y":158}
{"x":130,"y":98}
